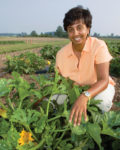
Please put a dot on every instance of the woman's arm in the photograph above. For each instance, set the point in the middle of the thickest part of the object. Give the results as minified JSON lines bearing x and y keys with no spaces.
{"x":102,"y":71}
{"x":80,"y":105}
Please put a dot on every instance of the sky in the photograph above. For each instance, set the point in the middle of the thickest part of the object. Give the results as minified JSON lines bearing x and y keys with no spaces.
{"x":18,"y":16}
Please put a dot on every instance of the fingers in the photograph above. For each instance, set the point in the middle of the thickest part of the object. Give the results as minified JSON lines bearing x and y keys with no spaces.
{"x":77,"y":114}
{"x":71,"y":115}
{"x":79,"y":118}
{"x":76,"y":117}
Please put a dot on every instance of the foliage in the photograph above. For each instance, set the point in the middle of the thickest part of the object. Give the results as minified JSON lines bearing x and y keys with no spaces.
{"x":25,"y":63}
{"x":115,"y":67}
{"x":114,"y":48}
{"x":30,"y":109}
{"x":60,"y":32}
{"x":34,"y":33}
{"x":49,"y":51}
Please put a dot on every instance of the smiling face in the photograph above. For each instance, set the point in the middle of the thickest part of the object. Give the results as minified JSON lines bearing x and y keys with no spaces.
{"x":78,"y":32}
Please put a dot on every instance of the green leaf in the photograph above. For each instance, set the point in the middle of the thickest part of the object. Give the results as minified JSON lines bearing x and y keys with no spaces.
{"x":94,"y":131}
{"x":117,"y":104}
{"x":48,"y":139}
{"x":110,"y":121}
{"x":40,"y":125}
{"x":19,"y":116}
{"x":25,"y":117}
{"x":11,"y":140}
{"x":12,"y":137}
{"x":112,"y":118}
{"x":23,"y":89}
{"x":4,"y":88}
{"x":15,"y":75}
{"x":76,"y":89}
{"x":79,"y":130}
{"x":4,"y":127}
{"x":4,"y":145}
{"x":23,"y":93}
{"x":107,"y":130}
{"x":38,"y":94}
{"x":65,"y":146}
{"x":32,"y":116}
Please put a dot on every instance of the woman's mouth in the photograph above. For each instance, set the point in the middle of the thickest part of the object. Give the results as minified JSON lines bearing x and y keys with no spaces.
{"x":77,"y":39}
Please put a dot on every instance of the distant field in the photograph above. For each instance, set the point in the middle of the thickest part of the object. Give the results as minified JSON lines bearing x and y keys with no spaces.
{"x":12,"y":44}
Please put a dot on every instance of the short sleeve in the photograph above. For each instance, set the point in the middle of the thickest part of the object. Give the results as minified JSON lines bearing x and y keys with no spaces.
{"x":102,"y":54}
{"x":57,"y":63}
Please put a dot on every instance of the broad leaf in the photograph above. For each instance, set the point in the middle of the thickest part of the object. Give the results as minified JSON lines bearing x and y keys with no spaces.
{"x":94,"y":131}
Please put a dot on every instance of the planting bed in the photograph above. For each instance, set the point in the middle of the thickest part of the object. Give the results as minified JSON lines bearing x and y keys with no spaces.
{"x":4,"y":74}
{"x":31,"y":119}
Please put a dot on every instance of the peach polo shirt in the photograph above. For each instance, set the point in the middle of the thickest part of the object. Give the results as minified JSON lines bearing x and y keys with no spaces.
{"x":94,"y":52}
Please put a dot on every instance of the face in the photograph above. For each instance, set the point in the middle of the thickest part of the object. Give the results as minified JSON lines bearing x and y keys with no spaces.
{"x":78,"y":32}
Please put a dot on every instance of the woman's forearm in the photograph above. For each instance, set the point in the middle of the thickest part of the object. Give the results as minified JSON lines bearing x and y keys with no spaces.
{"x":98,"y":87}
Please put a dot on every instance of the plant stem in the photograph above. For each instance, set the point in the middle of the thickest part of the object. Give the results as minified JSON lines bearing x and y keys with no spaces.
{"x":39,"y":145}
{"x":59,"y":140}
{"x":61,"y":130}
{"x":53,"y":89}
{"x":54,"y":118}
{"x":10,"y":103}
{"x":20,"y":104}
{"x":48,"y":105}
{"x":83,"y":144}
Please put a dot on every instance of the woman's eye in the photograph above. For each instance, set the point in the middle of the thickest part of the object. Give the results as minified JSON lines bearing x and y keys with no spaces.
{"x":70,"y":30}
{"x":79,"y":27}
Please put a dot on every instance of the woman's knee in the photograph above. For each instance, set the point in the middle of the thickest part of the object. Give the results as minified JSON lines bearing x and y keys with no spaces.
{"x":107,"y":97}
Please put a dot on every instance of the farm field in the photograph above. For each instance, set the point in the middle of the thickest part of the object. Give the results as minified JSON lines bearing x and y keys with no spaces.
{"x":19,"y":45}
{"x":14,"y":46}
{"x":30,"y":120}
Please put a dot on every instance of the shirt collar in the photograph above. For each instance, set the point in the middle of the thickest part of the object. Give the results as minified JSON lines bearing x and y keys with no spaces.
{"x":85,"y":49}
{"x":87,"y":45}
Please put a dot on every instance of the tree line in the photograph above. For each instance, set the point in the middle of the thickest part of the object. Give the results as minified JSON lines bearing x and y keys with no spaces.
{"x":58,"y":33}
{"x":61,"y":33}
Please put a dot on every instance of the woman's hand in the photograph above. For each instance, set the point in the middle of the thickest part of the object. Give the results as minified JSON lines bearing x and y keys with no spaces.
{"x":79,"y":108}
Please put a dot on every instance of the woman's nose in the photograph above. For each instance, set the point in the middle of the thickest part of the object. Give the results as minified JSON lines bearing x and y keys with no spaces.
{"x":76,"y":32}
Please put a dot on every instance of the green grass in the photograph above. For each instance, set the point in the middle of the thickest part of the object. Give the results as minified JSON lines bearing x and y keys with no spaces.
{"x":11,"y":42}
{"x":24,"y":46}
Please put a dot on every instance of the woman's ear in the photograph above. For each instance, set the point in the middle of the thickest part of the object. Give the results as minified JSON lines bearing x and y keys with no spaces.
{"x":88,"y":32}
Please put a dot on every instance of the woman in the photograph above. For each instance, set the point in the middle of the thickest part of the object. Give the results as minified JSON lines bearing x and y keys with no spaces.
{"x":85,"y":60}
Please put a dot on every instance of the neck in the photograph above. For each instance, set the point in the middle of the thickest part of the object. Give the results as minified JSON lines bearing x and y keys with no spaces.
{"x":78,"y":48}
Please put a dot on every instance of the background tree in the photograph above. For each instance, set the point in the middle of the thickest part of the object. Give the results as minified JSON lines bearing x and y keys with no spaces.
{"x":60,"y":32}
{"x":34,"y":33}
{"x":96,"y":34}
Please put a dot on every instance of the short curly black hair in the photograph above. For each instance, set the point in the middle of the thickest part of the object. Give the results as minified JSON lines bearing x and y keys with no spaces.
{"x":77,"y":13}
